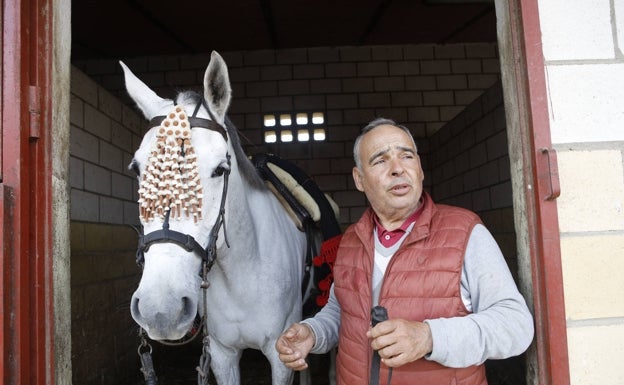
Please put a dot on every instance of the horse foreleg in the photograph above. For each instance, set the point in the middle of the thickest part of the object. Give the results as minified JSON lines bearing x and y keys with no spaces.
{"x":280,"y":374}
{"x":225,"y":364}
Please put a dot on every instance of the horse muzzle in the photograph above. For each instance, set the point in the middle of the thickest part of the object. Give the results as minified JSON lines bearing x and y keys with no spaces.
{"x":164,"y":319}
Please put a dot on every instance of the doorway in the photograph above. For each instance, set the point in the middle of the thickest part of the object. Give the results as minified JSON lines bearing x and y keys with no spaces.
{"x":549,"y":336}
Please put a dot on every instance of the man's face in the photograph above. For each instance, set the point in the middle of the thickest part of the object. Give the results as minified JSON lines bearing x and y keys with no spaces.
{"x":391,"y":175}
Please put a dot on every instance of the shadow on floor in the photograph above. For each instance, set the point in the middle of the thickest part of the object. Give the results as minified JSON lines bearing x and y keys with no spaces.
{"x":176,"y":366}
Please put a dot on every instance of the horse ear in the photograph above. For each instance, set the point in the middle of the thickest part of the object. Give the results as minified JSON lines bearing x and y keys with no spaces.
{"x":217,"y":90}
{"x":146,"y":99}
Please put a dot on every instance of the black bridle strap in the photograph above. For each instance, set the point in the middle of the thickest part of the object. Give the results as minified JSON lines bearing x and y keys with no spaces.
{"x":194,"y":122}
{"x":187,"y":242}
{"x":211,"y":249}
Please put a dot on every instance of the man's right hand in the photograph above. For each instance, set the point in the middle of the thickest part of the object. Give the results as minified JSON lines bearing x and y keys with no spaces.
{"x":294,"y":345}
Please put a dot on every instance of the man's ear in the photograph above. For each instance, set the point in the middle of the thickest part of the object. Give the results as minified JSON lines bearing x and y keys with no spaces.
{"x":357,"y":178}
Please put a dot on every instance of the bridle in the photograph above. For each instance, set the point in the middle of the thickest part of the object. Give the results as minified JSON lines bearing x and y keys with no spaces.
{"x":189,"y":243}
{"x":186,"y":241}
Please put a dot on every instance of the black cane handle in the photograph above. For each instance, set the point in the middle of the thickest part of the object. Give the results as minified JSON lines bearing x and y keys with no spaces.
{"x":378,"y":314}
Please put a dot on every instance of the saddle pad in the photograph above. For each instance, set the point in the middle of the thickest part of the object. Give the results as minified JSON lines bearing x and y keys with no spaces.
{"x":299,"y":204}
{"x":302,"y":196}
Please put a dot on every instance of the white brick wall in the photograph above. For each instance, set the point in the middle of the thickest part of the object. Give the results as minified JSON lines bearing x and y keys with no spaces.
{"x":598,"y":360}
{"x":586,"y":102}
{"x":583,"y":41}
{"x":592,"y":191}
{"x":576,"y":29}
{"x":591,"y":292}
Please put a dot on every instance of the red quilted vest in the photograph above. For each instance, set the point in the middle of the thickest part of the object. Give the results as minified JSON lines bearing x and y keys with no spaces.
{"x":422,"y":281}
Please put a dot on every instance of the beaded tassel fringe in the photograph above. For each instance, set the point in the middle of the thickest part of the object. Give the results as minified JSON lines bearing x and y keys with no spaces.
{"x":171,"y":179}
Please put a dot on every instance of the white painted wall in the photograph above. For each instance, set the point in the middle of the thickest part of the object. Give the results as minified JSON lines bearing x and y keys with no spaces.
{"x":583,"y":43}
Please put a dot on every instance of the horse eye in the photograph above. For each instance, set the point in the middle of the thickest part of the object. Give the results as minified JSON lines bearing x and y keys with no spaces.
{"x":219,"y":171}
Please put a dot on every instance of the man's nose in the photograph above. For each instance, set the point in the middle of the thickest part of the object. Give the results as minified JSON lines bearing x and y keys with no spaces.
{"x":396,"y":167}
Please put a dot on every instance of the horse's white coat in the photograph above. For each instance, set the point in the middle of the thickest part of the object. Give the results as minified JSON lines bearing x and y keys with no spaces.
{"x":255,"y":284}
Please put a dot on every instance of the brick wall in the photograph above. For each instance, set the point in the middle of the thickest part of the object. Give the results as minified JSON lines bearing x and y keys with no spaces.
{"x":469,"y":165}
{"x":103,"y":134}
{"x":468,"y":160}
{"x":584,"y":59}
{"x":103,"y":277}
{"x":422,"y":86}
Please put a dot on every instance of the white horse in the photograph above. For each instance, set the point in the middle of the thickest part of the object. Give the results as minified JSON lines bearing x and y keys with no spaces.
{"x":255,"y":277}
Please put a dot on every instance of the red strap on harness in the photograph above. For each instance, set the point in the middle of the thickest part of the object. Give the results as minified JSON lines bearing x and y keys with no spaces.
{"x":327,"y":255}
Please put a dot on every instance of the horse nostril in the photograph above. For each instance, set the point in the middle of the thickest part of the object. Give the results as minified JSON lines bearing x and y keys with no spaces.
{"x":188,"y":308}
{"x":134,"y":308}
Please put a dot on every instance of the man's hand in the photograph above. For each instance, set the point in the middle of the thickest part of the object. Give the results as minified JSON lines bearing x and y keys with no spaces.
{"x":294,"y":345}
{"x":399,"y":341}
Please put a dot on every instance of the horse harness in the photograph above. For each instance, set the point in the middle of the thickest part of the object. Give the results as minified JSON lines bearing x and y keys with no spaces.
{"x":188,"y":243}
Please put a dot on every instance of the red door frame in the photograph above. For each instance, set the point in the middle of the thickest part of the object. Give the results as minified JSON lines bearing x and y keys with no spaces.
{"x":27,"y":314}
{"x":541,"y":206}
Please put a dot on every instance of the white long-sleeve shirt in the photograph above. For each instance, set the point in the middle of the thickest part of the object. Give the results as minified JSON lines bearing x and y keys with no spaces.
{"x":500,"y":325}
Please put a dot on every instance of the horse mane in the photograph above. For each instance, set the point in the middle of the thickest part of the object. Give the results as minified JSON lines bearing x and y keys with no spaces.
{"x":245,"y":167}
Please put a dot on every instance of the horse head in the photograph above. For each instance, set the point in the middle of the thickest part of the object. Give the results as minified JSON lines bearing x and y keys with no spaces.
{"x":182,"y":164}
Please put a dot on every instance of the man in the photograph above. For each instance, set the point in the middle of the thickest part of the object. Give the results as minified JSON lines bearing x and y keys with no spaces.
{"x":451,"y":300}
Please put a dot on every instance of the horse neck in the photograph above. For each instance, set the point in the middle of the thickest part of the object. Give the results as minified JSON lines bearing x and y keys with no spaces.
{"x":248,"y":210}
{"x":239,"y":214}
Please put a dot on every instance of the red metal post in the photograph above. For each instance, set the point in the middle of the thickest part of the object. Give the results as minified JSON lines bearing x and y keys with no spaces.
{"x":542,"y":218}
{"x":16,"y":309}
{"x":3,"y":278}
{"x":27,"y":292}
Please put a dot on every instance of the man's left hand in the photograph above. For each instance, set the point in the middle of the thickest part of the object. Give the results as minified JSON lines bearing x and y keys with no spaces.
{"x":399,"y":341}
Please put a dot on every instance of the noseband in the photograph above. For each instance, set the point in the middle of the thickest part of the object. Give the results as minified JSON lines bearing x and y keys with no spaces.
{"x":186,"y":241}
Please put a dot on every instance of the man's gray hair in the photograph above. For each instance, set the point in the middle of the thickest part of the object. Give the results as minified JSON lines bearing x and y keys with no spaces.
{"x":369,"y":127}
